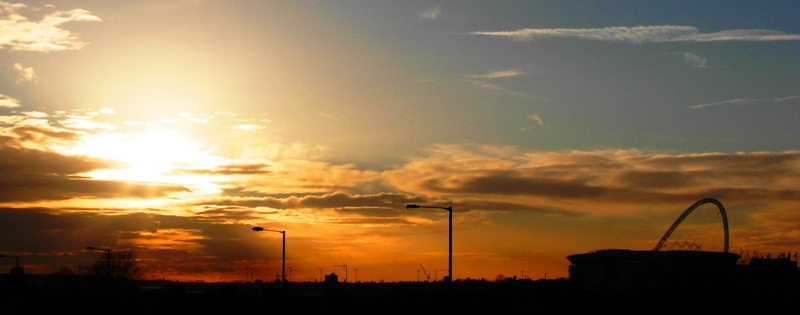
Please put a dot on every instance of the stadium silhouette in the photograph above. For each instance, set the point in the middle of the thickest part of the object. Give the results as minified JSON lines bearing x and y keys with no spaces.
{"x":686,"y":265}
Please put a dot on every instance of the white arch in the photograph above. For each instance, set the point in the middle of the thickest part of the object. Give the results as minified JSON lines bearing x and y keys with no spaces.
{"x":686,"y":214}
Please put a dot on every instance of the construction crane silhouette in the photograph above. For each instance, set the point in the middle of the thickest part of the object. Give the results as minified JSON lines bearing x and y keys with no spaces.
{"x":345,"y":270}
{"x":427,"y":275}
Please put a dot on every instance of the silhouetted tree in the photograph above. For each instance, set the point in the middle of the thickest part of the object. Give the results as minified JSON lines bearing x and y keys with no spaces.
{"x":118,"y":265}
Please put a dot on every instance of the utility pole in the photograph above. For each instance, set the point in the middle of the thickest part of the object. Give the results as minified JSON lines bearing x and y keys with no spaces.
{"x":356,"y":269}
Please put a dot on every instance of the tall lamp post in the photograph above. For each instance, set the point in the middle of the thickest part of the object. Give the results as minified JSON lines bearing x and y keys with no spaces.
{"x":450,"y":236}
{"x":15,"y":257}
{"x":283,"y":254}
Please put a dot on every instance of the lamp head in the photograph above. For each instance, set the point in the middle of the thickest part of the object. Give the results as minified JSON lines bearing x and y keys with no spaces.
{"x":412,"y":206}
{"x":90,"y":248}
{"x":258,"y":229}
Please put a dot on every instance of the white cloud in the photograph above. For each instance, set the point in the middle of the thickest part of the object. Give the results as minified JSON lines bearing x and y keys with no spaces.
{"x":8,"y":102}
{"x":643,"y":34}
{"x":24,"y":74}
{"x":107,"y":111}
{"x":34,"y":122}
{"x":695,"y":60}
{"x":496,"y":74}
{"x":248,"y":127}
{"x":11,"y":120}
{"x":35,"y":114}
{"x":17,"y":32}
{"x":746,"y":101}
{"x":432,"y":13}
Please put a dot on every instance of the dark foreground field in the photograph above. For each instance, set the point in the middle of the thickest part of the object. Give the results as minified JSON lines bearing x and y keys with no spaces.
{"x":530,"y":297}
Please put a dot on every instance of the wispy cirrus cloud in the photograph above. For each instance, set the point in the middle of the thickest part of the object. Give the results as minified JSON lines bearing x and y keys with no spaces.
{"x":20,"y":33}
{"x":642,"y":34}
{"x":496,"y":74}
{"x":481,"y":81}
{"x":493,"y":87}
{"x":748,"y":101}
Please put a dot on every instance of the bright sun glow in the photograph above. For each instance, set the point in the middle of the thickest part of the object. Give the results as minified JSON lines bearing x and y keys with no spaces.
{"x":155,"y":157}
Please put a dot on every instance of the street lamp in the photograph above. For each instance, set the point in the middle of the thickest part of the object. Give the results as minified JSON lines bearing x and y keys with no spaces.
{"x":283,"y":255}
{"x":15,"y":257}
{"x":450,"y":236}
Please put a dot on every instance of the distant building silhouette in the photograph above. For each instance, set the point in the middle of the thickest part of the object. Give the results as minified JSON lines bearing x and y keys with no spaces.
{"x":768,"y":271}
{"x":332,"y":278}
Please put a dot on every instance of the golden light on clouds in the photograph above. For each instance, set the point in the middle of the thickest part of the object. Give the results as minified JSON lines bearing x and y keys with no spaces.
{"x":167,"y":239}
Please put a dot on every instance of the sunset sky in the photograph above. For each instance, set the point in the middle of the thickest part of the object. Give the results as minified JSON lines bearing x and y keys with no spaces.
{"x":551,"y":127}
